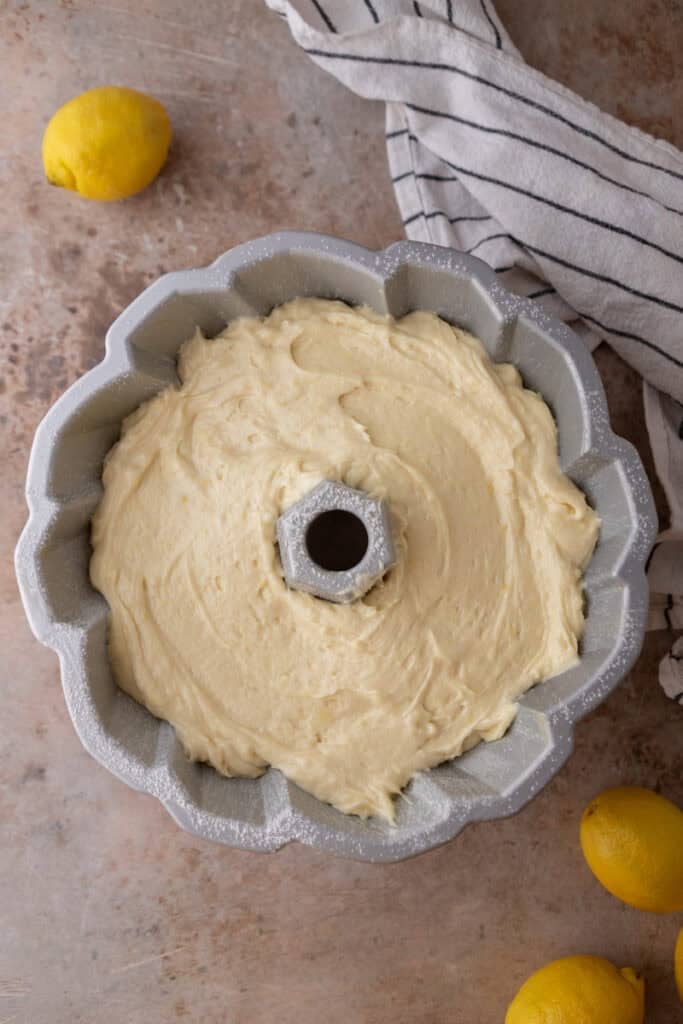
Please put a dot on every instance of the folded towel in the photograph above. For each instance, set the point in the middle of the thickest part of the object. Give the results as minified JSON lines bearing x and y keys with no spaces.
{"x":569,"y":205}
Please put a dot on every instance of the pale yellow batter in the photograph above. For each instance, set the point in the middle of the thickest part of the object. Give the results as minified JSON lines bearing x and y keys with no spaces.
{"x":348,"y":700}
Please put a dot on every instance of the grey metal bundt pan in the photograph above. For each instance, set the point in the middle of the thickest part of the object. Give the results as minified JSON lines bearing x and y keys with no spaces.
{"x":63,"y":488}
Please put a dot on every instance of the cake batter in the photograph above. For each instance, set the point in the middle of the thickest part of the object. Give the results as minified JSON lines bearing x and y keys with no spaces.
{"x":349,"y":701}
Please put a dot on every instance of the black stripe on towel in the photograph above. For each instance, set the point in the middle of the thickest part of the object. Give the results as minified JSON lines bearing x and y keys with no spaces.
{"x":438,"y":177}
{"x":490,"y":238}
{"x":492,"y":24}
{"x":373,"y":12}
{"x":632,"y":337}
{"x":440,"y":213}
{"x":324,"y":15}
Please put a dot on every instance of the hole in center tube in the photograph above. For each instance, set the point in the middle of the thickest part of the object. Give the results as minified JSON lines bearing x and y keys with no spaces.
{"x":337,"y":540}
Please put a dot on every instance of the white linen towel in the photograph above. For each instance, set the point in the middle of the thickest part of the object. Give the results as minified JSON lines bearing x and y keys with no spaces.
{"x":569,"y":205}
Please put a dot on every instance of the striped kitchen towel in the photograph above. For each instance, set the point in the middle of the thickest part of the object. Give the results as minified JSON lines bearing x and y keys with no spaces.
{"x":569,"y":205}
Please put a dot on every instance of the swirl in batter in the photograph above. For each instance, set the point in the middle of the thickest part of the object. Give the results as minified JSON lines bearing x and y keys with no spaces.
{"x":349,"y":701}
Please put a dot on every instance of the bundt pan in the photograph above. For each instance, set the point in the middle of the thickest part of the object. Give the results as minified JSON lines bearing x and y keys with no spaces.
{"x":63,"y":489}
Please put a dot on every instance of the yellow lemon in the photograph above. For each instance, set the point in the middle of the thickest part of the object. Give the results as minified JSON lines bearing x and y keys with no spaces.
{"x":678,"y":964}
{"x":632,"y":840}
{"x":107,"y":143}
{"x":579,"y":990}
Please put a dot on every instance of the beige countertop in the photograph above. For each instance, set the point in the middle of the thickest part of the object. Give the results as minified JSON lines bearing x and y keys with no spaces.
{"x":109,"y":911}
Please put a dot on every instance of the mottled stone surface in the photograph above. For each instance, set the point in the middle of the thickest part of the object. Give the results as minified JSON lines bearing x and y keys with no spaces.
{"x":109,"y":911}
